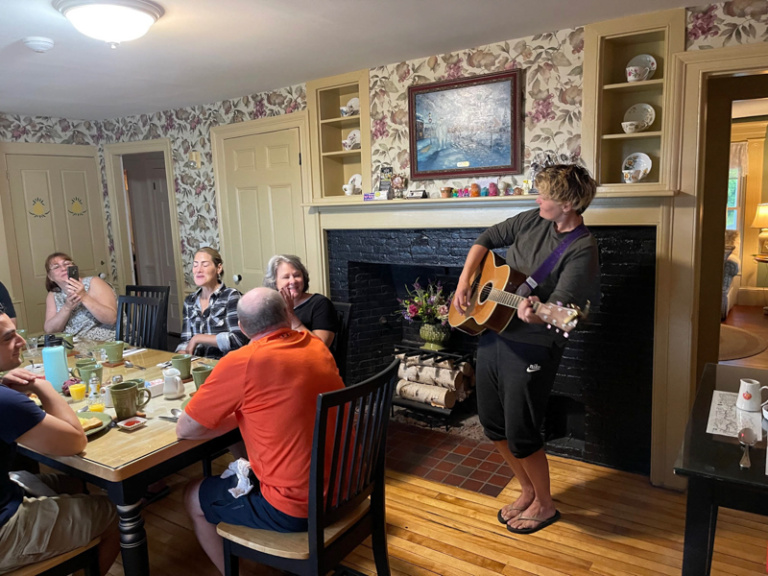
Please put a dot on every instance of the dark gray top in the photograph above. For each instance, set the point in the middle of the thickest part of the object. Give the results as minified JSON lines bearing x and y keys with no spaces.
{"x":575,"y":278}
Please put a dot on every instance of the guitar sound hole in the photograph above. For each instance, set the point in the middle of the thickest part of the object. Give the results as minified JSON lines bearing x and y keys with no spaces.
{"x":485,"y":292}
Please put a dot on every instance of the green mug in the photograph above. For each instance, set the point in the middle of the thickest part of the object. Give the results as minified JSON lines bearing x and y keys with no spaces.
{"x":89,"y":370}
{"x":127,"y":397}
{"x":114,"y":351}
{"x":200,"y":373}
{"x":182,"y":363}
{"x":79,"y":365}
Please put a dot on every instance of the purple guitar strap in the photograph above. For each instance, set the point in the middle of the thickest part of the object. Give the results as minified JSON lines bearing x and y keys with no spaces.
{"x":546,"y":267}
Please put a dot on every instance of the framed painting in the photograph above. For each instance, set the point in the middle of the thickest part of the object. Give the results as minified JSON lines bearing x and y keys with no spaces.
{"x":466,"y":127}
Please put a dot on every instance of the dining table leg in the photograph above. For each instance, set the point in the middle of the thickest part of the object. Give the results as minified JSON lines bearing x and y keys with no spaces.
{"x":133,"y":539}
{"x":700,"y":526}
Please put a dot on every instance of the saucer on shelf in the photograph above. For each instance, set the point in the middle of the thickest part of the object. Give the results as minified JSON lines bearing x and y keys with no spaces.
{"x":642,"y":114}
{"x":353,"y":106}
{"x":638,"y":161}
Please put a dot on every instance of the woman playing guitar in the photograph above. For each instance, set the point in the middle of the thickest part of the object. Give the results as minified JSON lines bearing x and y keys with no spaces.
{"x":516,"y":368}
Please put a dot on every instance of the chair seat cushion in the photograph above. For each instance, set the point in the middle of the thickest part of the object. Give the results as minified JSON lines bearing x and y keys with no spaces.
{"x":294,"y":545}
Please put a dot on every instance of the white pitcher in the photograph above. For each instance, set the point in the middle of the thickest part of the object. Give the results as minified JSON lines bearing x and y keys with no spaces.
{"x":173,"y":387}
{"x":750,"y":395}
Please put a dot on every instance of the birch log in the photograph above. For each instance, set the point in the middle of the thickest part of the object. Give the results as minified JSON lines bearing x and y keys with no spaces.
{"x":465,"y":367}
{"x":431,"y":375}
{"x":426,"y":394}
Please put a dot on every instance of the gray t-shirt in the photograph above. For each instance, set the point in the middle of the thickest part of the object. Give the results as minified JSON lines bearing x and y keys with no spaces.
{"x":575,"y":278}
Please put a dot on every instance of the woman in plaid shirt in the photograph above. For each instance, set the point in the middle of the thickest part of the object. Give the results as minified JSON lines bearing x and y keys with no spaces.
{"x":210,"y":314}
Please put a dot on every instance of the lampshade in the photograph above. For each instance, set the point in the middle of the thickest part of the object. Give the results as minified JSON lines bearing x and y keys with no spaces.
{"x":761,"y":216}
{"x":113,"y":21}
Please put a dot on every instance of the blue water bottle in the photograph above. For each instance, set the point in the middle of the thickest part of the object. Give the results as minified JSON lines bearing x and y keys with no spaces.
{"x":55,"y":362}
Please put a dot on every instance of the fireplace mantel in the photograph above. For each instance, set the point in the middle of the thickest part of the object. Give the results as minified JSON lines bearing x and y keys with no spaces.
{"x":605,"y":211}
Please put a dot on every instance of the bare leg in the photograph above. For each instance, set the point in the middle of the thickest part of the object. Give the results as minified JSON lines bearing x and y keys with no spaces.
{"x":210,"y":541}
{"x":536,"y":470}
{"x":109,"y":547}
{"x":527,"y":494}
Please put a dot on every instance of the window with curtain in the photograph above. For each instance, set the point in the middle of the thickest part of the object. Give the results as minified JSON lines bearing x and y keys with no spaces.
{"x":734,"y":217}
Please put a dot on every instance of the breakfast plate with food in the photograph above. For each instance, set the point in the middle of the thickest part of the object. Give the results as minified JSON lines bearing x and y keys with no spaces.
{"x":93,"y":422}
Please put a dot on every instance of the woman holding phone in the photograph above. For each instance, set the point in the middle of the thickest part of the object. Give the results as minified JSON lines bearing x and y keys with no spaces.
{"x":84,"y":307}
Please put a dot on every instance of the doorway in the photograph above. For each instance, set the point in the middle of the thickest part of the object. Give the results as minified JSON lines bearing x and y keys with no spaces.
{"x":146,"y":231}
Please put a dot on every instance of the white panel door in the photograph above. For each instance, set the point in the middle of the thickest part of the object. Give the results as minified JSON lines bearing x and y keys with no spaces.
{"x":57,"y":207}
{"x":262,"y":213}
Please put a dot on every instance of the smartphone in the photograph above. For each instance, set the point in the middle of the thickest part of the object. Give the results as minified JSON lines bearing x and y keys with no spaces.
{"x":73,"y":272}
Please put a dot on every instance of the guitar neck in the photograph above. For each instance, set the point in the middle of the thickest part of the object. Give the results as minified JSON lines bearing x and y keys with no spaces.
{"x":510,"y":300}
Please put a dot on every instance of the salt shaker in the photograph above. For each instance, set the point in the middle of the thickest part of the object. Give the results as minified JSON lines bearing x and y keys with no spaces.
{"x":94,"y":385}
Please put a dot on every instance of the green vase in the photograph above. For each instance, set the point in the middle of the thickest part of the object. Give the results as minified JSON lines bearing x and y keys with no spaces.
{"x":434,"y":335}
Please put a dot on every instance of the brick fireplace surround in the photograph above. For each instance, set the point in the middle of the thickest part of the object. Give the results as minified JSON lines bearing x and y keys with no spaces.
{"x":600,"y":410}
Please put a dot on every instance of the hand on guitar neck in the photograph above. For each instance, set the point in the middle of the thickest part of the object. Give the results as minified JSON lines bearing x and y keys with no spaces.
{"x":492,"y":302}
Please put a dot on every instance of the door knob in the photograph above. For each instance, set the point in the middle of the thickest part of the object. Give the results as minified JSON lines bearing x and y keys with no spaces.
{"x":237,"y":278}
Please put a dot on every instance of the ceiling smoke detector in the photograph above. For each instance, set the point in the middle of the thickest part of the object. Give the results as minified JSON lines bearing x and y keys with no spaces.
{"x":38,"y":43}
{"x":112,"y":21}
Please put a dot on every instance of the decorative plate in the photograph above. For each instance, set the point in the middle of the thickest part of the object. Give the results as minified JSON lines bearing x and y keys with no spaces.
{"x":644,"y":60}
{"x":638,"y":161}
{"x":641,"y":113}
{"x":356,"y":181}
{"x":106,"y":420}
{"x":353,"y":106}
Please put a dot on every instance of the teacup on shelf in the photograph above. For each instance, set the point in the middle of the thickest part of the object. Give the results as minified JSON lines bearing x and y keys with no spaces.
{"x":637,"y":73}
{"x":632,"y":176}
{"x":632,"y":127}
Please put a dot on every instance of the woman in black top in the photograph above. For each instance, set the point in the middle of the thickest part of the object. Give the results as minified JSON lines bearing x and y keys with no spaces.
{"x":516,"y":368}
{"x":308,"y":312}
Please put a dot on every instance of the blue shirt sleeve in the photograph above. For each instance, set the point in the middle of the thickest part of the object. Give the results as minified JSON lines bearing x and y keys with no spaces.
{"x":18,"y":415}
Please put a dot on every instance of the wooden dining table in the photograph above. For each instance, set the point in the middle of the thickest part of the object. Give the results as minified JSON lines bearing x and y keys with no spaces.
{"x":124,"y":463}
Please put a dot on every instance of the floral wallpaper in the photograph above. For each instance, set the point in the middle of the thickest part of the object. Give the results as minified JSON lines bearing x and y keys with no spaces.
{"x":553,"y":106}
{"x":553,"y":76}
{"x":727,"y":24}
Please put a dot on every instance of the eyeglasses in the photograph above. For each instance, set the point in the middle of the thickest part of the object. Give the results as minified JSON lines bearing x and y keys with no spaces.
{"x":64,"y":264}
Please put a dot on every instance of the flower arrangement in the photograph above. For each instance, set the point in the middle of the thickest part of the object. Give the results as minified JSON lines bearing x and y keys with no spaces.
{"x":428,"y":304}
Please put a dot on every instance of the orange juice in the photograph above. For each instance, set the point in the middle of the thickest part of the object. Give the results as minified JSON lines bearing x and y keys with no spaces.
{"x":96,"y":407}
{"x":77,"y":392}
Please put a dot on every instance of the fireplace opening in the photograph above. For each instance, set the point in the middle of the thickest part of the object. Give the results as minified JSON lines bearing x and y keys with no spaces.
{"x":600,"y":407}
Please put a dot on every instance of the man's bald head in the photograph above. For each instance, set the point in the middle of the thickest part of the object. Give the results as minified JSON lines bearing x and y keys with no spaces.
{"x":262,"y":310}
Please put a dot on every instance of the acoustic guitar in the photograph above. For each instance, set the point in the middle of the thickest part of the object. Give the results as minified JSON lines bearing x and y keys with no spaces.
{"x":492,"y":301}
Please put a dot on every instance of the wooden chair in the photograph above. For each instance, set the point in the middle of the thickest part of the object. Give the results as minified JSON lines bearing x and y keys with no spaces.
{"x":356,"y":418}
{"x":138,"y":321}
{"x":85,"y":558}
{"x":162,"y":293}
{"x":340,"y":342}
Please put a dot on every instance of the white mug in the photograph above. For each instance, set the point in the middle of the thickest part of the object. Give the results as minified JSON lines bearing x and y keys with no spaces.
{"x":173,"y":387}
{"x":750,"y":395}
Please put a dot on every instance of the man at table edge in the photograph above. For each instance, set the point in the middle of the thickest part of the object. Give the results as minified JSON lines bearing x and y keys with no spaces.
{"x":34,"y":529}
{"x":269,"y":389}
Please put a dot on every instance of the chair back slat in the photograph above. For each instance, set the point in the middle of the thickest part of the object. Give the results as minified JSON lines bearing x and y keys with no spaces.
{"x":161,"y":293}
{"x":355,"y":436}
{"x":139,"y":321}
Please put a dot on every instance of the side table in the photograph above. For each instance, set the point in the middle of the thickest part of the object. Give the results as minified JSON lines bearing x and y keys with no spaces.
{"x":761,"y":259}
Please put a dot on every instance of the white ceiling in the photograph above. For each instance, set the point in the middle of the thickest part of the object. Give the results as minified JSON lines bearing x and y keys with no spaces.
{"x":203,"y":51}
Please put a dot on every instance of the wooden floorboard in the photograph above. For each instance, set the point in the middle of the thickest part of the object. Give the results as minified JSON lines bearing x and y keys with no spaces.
{"x":614,"y":524}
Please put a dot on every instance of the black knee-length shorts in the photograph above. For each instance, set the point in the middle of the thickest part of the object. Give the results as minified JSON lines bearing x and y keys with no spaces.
{"x":514,"y":380}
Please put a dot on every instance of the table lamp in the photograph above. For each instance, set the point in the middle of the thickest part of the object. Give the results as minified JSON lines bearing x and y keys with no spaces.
{"x":761,"y":221}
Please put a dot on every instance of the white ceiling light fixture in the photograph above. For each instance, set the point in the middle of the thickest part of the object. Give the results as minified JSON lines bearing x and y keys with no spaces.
{"x":38,"y":43}
{"x":112,"y":21}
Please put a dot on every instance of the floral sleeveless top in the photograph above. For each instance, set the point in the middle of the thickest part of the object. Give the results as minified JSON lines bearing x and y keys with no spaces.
{"x":81,"y":322}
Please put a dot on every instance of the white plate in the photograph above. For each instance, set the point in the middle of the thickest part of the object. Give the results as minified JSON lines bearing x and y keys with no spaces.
{"x":353,"y":106}
{"x":642,"y":113}
{"x":132,"y":423}
{"x":638,"y":161}
{"x":356,"y":181}
{"x":644,"y":60}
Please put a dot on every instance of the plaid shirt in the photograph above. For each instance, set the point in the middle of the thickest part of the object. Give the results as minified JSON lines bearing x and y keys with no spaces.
{"x":220,"y":318}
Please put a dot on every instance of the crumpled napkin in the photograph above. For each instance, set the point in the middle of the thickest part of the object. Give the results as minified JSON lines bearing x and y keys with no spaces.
{"x":241,"y":467}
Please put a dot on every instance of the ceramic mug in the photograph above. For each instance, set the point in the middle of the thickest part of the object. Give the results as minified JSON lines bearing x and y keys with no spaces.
{"x":750,"y":395}
{"x":182,"y":363}
{"x":114,"y":351}
{"x":637,"y":73}
{"x":89,"y":371}
{"x":77,"y":371}
{"x":173,"y":387}
{"x":200,"y":374}
{"x":127,"y":397}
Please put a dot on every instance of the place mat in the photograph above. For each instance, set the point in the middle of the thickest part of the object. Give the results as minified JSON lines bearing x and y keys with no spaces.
{"x":113,"y":364}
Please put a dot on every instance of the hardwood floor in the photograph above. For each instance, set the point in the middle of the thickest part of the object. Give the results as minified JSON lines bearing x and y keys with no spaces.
{"x":613,"y":523}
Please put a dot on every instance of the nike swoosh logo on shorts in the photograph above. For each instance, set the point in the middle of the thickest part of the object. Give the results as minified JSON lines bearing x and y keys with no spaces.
{"x":533,"y":368}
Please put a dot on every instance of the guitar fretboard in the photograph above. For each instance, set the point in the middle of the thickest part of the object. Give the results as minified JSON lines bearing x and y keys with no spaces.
{"x":504,"y":298}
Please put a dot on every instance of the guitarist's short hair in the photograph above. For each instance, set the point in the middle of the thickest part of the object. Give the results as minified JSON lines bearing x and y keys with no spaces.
{"x":568,"y":183}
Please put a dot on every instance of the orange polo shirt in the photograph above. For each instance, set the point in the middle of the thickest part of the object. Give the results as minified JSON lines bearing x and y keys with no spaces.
{"x":271,"y":385}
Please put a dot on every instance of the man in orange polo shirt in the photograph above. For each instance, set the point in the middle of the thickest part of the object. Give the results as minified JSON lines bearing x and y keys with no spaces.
{"x":269,"y":389}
